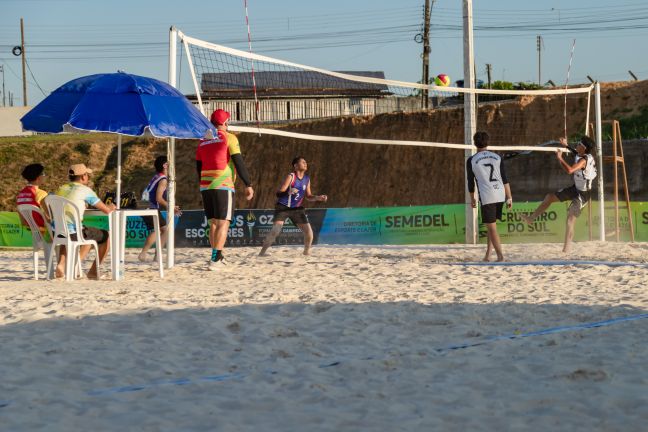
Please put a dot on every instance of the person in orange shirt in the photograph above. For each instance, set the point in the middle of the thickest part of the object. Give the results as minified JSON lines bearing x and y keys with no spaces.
{"x":218,"y":161}
{"x":32,"y":193}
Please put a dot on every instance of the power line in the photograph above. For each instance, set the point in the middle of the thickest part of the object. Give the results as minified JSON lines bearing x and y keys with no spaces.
{"x":35,"y":81}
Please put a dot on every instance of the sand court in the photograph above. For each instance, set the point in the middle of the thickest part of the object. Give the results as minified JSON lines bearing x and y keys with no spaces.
{"x":354,"y":338}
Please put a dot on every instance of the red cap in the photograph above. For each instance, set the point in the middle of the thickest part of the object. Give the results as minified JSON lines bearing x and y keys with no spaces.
{"x":219,"y":117}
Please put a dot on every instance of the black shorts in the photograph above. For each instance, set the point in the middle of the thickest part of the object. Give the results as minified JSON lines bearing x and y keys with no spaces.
{"x":90,"y":233}
{"x":148,"y":221}
{"x":297,"y":214}
{"x":578,"y":198}
{"x":218,"y":203}
{"x":492,"y":212}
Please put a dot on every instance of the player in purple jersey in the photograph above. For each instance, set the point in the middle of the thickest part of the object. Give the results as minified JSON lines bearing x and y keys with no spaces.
{"x":290,"y":197}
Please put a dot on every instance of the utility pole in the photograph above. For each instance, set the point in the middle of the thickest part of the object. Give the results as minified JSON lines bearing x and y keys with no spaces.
{"x":426,"y":54}
{"x":489,"y":70}
{"x":539,"y":44}
{"x":470,"y":114}
{"x":3,"y":86}
{"x":22,"y":48}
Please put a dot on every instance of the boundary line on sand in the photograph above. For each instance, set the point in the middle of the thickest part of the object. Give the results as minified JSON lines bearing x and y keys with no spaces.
{"x":549,"y":263}
{"x":240,"y":376}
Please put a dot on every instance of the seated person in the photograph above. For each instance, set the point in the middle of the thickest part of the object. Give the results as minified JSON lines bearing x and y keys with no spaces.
{"x":32,"y":194}
{"x":79,"y":192}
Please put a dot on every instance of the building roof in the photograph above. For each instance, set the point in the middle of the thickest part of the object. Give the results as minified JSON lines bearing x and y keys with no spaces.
{"x":289,"y":83}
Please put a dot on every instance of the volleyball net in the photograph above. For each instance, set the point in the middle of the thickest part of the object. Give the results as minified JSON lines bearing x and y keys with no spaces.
{"x":267,"y":95}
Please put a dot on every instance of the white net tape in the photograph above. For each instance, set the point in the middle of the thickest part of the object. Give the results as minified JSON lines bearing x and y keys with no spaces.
{"x":329,"y":138}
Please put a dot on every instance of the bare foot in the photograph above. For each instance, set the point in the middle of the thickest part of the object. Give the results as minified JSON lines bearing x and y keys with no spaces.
{"x":307,"y":252}
{"x":500,"y":258}
{"x":486,"y":258}
{"x":264,"y":252}
{"x":59,"y":273}
{"x":92,"y":276}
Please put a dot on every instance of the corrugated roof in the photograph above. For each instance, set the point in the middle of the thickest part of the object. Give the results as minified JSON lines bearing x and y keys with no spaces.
{"x":291,"y":82}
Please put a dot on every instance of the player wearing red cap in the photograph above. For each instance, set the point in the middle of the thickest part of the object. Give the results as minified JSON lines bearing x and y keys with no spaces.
{"x":218,"y":161}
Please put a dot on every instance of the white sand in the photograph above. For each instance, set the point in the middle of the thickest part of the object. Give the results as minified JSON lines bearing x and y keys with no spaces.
{"x":250,"y":343}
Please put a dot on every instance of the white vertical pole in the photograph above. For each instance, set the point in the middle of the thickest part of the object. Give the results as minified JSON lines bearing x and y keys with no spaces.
{"x":116,"y":254}
{"x":587,"y":113}
{"x":118,"y":180}
{"x":173,"y":44}
{"x":470,"y":114}
{"x":599,"y":159}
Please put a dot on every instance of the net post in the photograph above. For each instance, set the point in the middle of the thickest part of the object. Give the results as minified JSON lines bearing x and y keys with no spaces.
{"x":470,"y":115}
{"x":599,"y":157}
{"x":193,"y":77}
{"x":587,"y":112}
{"x":173,"y":45}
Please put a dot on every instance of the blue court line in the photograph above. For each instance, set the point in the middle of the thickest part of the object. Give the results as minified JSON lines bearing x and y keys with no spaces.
{"x":548,"y":331}
{"x":549,"y":263}
{"x":240,"y":376}
{"x":174,"y":382}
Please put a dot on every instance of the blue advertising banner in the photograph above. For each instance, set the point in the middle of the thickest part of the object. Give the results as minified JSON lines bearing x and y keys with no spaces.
{"x":248,"y":228}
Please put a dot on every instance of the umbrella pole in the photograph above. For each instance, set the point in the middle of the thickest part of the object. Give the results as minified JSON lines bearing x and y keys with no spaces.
{"x":172,"y":202}
{"x":116,"y":254}
{"x":118,"y":180}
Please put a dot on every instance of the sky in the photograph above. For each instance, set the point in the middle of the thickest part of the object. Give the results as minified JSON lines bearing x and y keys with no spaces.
{"x":66,"y":39}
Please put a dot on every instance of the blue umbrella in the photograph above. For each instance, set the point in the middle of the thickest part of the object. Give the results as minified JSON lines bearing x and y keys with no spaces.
{"x":118,"y":103}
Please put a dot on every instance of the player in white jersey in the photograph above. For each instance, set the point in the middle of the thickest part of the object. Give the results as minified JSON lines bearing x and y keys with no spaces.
{"x":487,"y":170}
{"x":583,"y":171}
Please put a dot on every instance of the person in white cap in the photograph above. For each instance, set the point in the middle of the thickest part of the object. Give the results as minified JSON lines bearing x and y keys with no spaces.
{"x":77,"y":190}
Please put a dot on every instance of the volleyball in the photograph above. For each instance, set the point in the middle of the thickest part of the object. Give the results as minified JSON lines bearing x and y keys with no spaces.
{"x":442,"y":80}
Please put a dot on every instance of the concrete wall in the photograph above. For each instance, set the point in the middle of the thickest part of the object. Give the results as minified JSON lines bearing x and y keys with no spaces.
{"x":10,"y":121}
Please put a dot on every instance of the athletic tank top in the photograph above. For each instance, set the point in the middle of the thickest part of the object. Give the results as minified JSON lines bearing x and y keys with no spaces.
{"x":152,"y":190}
{"x":296,"y":199}
{"x":486,"y":167}
{"x":583,"y":178}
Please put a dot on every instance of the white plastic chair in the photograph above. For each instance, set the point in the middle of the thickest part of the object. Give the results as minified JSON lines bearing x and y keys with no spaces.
{"x":38,"y":241}
{"x":58,"y":208}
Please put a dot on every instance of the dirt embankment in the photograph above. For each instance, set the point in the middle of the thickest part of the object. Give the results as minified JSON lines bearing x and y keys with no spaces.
{"x":353,"y":175}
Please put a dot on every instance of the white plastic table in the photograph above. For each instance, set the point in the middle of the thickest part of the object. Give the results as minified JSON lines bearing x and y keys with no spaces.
{"x":117,"y":232}
{"x":125,"y":213}
{"x":114,"y":243}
